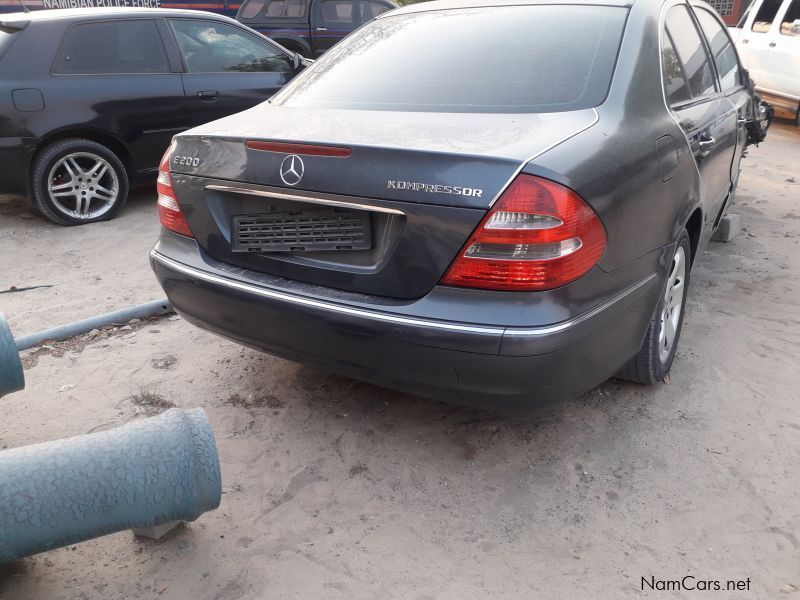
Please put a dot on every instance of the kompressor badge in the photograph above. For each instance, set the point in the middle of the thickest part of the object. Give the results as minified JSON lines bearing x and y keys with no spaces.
{"x":433,"y":188}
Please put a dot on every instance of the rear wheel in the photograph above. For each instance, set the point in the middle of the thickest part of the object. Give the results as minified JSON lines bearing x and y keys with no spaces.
{"x":654,"y":360}
{"x":77,"y":181}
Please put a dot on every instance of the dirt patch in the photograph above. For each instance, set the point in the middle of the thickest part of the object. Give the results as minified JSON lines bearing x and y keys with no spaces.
{"x":255,"y":401}
{"x":78,"y":343}
{"x":150,"y":402}
{"x":164,"y":362}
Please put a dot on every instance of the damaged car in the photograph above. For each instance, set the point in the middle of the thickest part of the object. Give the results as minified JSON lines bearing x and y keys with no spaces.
{"x":502,"y":228}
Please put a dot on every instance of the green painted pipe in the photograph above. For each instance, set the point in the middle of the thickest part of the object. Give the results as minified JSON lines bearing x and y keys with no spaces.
{"x":143,"y":474}
{"x":12,"y":379}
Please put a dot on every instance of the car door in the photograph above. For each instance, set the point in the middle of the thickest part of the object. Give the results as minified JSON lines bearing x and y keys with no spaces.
{"x":228,"y":68}
{"x":730,"y":73}
{"x":334,"y":19}
{"x":116,"y":73}
{"x":755,"y":39}
{"x":706,"y":116}
{"x":781,"y":59}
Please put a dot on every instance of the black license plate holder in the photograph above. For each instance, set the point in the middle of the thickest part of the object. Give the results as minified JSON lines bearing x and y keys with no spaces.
{"x":312,"y":230}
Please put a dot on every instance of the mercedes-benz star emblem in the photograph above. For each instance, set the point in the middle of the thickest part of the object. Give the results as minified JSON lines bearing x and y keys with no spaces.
{"x":292,"y":169}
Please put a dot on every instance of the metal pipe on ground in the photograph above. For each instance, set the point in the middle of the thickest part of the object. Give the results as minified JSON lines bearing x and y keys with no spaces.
{"x":12,"y":378}
{"x":140,"y":311}
{"x":143,"y":474}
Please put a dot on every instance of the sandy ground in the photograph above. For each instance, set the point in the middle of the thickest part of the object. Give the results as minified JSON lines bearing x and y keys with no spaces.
{"x":337,"y":489}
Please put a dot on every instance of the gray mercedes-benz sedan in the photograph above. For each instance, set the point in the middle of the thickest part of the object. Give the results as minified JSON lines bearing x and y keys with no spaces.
{"x":491,"y":202}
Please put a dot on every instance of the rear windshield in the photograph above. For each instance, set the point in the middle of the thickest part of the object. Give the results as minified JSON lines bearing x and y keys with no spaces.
{"x":517,"y":59}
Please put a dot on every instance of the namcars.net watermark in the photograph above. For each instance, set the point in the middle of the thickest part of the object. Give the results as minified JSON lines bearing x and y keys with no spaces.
{"x":690,"y":583}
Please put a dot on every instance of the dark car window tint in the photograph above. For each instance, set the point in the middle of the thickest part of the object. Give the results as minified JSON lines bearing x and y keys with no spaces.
{"x":210,"y":47}
{"x":553,"y":58}
{"x":337,"y":11}
{"x":251,"y":9}
{"x":112,"y":47}
{"x":675,"y":85}
{"x":722,"y":49}
{"x":287,"y":9}
{"x":790,"y":24}
{"x":766,"y":15}
{"x":691,"y":51}
{"x":370,"y":9}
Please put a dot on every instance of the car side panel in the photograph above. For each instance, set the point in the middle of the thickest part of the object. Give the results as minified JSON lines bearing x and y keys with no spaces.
{"x":141,"y":111}
{"x":635,"y":167}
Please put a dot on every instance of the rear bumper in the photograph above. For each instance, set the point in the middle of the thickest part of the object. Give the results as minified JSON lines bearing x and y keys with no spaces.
{"x":512,"y":368}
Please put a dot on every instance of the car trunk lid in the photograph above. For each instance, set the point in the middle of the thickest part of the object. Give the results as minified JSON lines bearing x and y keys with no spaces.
{"x":415,"y":185}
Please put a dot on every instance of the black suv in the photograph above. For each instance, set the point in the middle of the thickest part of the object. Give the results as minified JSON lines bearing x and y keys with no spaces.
{"x":90,"y":98}
{"x":309,"y":27}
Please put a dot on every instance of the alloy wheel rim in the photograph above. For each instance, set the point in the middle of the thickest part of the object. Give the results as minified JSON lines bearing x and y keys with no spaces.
{"x":673,"y":305}
{"x":83,"y":185}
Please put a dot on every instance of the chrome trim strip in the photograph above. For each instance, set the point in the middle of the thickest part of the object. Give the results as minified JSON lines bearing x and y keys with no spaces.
{"x":303,"y":198}
{"x":540,"y":152}
{"x":382,"y":316}
{"x":585,"y":316}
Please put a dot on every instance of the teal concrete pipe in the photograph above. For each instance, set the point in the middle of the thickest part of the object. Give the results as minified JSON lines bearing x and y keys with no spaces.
{"x":12,"y":379}
{"x":143,"y":474}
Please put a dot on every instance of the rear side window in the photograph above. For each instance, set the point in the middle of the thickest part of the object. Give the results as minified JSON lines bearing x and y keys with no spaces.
{"x":766,"y":15}
{"x":112,"y":47}
{"x":790,"y":24}
{"x":251,"y":9}
{"x":507,"y":59}
{"x":676,"y":87}
{"x":371,"y":9}
{"x":287,"y":9}
{"x":691,"y":52}
{"x":337,"y":11}
{"x":212,"y":47}
{"x":721,"y":48}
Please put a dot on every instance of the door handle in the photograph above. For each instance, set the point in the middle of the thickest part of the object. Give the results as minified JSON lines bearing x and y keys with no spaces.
{"x":322,"y":29}
{"x":744,"y":41}
{"x":209,"y":95}
{"x":706,"y":143}
{"x":772,"y":44}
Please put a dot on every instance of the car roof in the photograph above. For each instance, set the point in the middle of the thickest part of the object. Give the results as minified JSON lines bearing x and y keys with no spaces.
{"x":455,"y":4}
{"x":80,"y":14}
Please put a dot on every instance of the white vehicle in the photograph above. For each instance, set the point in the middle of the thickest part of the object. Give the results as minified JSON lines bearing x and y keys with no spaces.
{"x":768,"y":41}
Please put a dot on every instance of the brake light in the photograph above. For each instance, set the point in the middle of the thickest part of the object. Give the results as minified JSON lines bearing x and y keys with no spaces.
{"x":539,"y":235}
{"x":169,"y":210}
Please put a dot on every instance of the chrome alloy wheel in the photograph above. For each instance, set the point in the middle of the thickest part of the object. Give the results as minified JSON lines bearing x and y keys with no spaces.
{"x":83,"y":185}
{"x":673,"y":304}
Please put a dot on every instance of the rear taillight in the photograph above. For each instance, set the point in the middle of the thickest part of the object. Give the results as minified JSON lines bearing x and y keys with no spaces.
{"x":169,"y":210}
{"x":538,"y":236}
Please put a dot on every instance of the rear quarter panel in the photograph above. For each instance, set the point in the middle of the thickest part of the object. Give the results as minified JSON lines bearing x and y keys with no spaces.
{"x":634,"y":167}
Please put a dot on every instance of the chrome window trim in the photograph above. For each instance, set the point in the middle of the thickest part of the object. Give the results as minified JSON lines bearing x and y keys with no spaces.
{"x":386,"y":317}
{"x":662,"y":23}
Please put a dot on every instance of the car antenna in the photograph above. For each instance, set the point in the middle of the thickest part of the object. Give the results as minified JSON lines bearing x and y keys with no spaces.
{"x":22,"y":4}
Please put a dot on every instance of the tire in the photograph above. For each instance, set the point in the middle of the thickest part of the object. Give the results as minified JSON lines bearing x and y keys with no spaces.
{"x":78,"y":181}
{"x":654,"y":359}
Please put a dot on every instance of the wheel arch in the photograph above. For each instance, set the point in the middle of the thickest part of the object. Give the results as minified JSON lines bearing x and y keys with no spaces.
{"x":694,"y":227}
{"x":294,"y":44}
{"x":106,"y":139}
